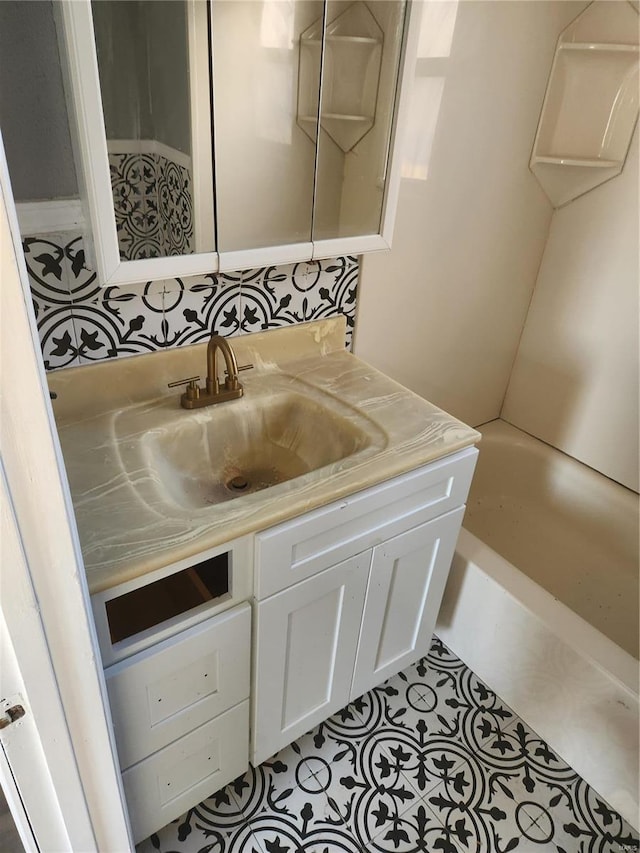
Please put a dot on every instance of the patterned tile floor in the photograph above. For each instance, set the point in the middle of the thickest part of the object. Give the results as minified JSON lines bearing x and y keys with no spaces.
{"x":432,"y":760}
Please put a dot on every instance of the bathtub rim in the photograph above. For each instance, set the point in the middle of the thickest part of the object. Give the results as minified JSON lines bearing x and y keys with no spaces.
{"x":570,"y":628}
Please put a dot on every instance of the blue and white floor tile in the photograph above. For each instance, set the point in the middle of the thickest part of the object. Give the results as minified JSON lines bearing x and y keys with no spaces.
{"x":430,"y":762}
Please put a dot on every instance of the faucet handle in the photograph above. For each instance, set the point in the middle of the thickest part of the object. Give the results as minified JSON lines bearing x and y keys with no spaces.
{"x":231,"y":382}
{"x":183,"y":381}
{"x":193,"y":389}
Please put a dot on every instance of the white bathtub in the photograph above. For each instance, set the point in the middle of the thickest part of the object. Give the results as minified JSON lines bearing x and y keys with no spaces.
{"x":542,"y":603}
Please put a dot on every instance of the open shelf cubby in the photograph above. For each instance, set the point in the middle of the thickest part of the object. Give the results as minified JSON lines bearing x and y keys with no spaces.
{"x":173,"y":595}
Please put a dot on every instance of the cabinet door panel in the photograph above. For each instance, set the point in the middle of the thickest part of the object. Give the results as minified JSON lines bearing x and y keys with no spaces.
{"x":408,"y":576}
{"x":306,"y":641}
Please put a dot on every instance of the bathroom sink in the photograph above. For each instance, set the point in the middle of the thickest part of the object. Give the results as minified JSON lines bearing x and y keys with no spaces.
{"x":281,"y":429}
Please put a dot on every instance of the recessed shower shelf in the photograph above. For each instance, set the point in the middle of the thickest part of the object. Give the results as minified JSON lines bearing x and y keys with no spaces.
{"x":600,"y":47}
{"x":578,"y":161}
{"x":591,"y":104}
{"x":344,"y":39}
{"x":336,"y":117}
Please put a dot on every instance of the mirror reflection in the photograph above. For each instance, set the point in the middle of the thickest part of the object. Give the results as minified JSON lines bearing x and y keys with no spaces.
{"x":186,"y":83}
{"x":360,"y":75}
{"x":265,"y":162}
{"x":148,"y":63}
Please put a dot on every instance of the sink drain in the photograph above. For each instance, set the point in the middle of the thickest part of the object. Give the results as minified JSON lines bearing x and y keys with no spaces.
{"x":238,"y":484}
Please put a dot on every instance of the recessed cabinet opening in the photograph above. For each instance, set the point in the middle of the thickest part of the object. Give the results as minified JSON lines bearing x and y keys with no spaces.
{"x":171,"y":596}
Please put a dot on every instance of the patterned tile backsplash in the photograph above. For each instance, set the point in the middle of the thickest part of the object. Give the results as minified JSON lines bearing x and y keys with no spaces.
{"x":153,"y":205}
{"x":79,"y":322}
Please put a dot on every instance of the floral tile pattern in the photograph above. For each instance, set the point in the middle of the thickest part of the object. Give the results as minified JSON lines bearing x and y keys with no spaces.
{"x":198,"y":306}
{"x":153,"y":205}
{"x":80,"y":322}
{"x":431,"y":761}
{"x":279,"y":296}
{"x":49,"y":260}
{"x":134,"y":186}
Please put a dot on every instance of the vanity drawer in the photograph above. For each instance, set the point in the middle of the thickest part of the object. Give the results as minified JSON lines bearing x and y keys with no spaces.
{"x":162,"y":787}
{"x":297,"y":549}
{"x":166,"y":691}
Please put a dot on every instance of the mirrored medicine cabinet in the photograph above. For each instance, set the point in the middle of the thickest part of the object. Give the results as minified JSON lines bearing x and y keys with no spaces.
{"x":231,"y":134}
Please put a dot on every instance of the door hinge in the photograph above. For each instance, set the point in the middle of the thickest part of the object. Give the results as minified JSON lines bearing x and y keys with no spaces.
{"x":10,"y":715}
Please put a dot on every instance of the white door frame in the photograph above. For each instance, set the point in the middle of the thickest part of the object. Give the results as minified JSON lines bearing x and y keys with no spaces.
{"x":44,"y":600}
{"x":39,"y":817}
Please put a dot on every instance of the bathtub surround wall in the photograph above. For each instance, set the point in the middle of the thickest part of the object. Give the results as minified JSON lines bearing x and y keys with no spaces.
{"x":80,"y":322}
{"x":472,"y":220}
{"x":543,"y":587}
{"x":575,"y":379}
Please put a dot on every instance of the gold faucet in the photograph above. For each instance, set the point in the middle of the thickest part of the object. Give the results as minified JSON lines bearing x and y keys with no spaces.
{"x":195,"y":397}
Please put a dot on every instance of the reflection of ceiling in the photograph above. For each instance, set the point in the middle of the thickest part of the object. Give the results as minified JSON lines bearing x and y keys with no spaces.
{"x":437,"y":27}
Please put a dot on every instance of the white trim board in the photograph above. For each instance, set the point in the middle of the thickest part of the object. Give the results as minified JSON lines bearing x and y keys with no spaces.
{"x":148,"y":146}
{"x":50,"y":217}
{"x":78,"y":738}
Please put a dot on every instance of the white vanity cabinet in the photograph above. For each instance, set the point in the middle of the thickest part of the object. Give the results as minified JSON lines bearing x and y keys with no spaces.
{"x":348,"y":595}
{"x":204,"y":674}
{"x":306,"y":640}
{"x":179,"y":643}
{"x":181,"y":718}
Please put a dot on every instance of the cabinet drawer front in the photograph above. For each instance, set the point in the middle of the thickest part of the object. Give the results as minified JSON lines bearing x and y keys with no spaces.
{"x":162,"y":787}
{"x":164,"y":692}
{"x":406,"y":583}
{"x":297,"y":549}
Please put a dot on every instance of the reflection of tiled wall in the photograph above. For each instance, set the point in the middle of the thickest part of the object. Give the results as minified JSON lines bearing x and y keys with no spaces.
{"x":80,"y":323}
{"x":153,"y":205}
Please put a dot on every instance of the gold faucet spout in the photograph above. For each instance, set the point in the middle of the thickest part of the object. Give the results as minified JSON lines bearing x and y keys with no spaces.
{"x":196,"y":397}
{"x":231,"y":382}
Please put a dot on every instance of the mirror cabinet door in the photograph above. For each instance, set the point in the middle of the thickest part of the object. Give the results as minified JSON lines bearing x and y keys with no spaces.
{"x":231,"y":134}
{"x":362,"y":45}
{"x":151,"y":56}
{"x":264,"y":161}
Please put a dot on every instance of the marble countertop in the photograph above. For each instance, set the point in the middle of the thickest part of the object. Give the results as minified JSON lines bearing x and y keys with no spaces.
{"x":128,"y":522}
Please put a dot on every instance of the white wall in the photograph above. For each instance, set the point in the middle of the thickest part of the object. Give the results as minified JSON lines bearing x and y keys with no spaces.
{"x":442,"y":311}
{"x":575,"y":380}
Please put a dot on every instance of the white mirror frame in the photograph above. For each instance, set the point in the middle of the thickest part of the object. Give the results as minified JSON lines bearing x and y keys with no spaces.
{"x":83,"y":84}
